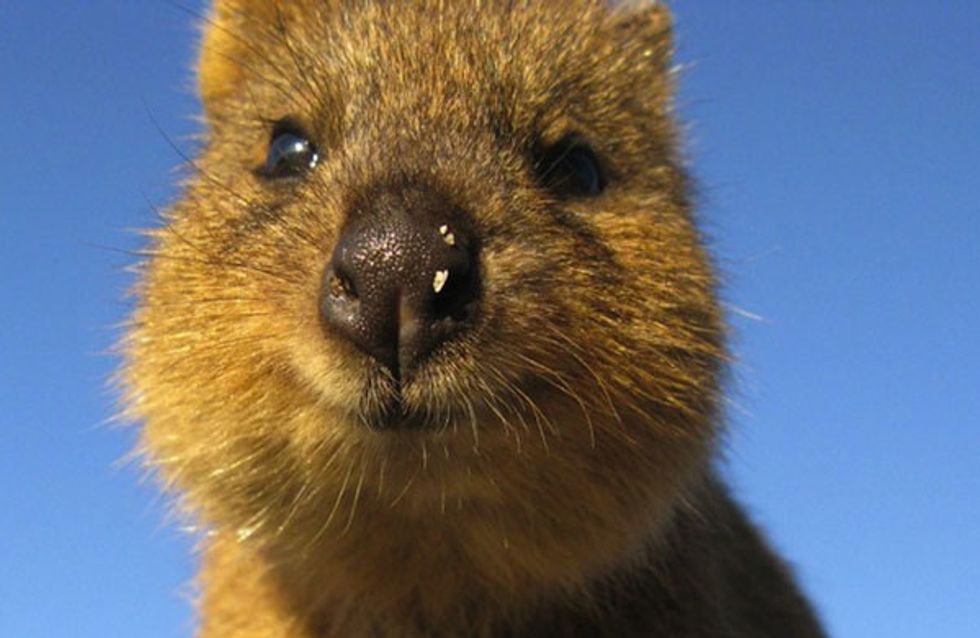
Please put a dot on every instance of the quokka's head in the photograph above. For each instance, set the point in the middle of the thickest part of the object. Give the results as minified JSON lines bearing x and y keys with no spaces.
{"x":430,"y":255}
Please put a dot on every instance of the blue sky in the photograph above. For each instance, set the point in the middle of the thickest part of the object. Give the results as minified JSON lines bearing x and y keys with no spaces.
{"x":837,"y":147}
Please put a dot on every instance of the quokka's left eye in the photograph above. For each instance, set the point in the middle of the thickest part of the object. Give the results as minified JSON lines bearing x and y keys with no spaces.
{"x":571,"y":168}
{"x":291,"y":153}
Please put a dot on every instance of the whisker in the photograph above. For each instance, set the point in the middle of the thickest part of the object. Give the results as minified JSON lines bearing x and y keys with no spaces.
{"x":588,"y":368}
{"x":215,"y":262}
{"x":357,"y":498}
{"x":336,"y":505}
{"x":556,"y":380}
{"x":404,"y":491}
{"x":381,"y":475}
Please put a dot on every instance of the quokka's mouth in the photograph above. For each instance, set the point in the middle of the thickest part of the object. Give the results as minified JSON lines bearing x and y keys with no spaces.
{"x":389,"y":403}
{"x":392,"y":415}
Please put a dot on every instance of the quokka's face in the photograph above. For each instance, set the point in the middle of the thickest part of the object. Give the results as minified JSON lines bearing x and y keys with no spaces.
{"x":420,"y":231}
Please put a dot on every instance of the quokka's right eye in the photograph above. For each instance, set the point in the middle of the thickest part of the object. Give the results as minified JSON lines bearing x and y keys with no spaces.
{"x":291,"y":153}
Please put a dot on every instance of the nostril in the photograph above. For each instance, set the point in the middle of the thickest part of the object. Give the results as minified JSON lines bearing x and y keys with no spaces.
{"x":341,"y":285}
{"x":455,"y":290}
{"x":455,"y":282}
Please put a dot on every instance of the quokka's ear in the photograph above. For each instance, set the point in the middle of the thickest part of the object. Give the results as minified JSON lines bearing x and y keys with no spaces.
{"x":232,"y":34}
{"x":646,"y":25}
{"x":224,"y":39}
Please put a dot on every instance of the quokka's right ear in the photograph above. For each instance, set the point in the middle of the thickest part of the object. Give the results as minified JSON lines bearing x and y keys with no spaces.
{"x":224,"y":41}
{"x":647,"y":23}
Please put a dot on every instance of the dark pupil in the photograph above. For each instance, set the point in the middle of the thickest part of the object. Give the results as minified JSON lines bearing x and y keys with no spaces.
{"x":581,"y":168}
{"x":571,"y":169}
{"x":289,"y":154}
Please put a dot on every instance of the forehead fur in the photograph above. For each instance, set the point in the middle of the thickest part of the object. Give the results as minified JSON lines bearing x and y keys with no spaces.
{"x":322,"y":53}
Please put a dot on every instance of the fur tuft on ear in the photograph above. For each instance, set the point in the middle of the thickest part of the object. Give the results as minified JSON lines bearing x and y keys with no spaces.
{"x":230,"y":36}
{"x":220,"y":67}
{"x":649,"y":24}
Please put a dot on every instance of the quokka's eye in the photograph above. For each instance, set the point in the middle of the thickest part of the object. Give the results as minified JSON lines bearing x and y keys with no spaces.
{"x":570,"y":168}
{"x":290,"y":154}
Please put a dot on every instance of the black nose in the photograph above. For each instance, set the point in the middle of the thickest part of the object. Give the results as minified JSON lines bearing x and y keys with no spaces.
{"x":403,"y":277}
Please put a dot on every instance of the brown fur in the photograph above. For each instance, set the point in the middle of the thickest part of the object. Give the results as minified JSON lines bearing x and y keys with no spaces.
{"x":564,"y":484}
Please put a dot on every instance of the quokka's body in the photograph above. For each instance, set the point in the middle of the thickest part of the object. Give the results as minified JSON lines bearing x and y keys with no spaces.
{"x":430,"y":344}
